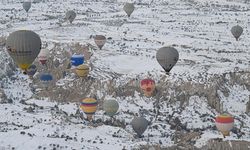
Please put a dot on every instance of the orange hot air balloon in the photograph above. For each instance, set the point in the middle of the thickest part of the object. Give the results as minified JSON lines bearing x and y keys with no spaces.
{"x":148,"y":87}
{"x":89,"y":106}
{"x":224,"y":123}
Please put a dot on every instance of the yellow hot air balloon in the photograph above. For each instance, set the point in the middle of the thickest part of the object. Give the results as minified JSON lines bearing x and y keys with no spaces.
{"x":82,"y":70}
{"x":23,"y":46}
{"x":89,"y":106}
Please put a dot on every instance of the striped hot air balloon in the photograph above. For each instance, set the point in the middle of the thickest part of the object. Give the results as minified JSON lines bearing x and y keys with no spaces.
{"x":89,"y":106}
{"x":167,"y":57}
{"x":23,"y":46}
{"x":224,"y":123}
{"x":82,"y":70}
{"x":148,"y":87}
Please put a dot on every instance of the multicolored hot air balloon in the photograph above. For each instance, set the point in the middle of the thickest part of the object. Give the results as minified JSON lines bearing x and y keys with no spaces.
{"x":70,"y":15}
{"x":89,"y":106}
{"x":237,"y":31}
{"x":129,"y":8}
{"x":43,"y":56}
{"x":148,"y":87}
{"x":26,"y":6}
{"x":82,"y":70}
{"x":23,"y":46}
{"x":100,"y":40}
{"x":224,"y":123}
{"x":46,"y":79}
{"x":77,"y":60}
{"x":167,"y":57}
{"x":110,"y":107}
{"x":31,"y":71}
{"x":139,"y":124}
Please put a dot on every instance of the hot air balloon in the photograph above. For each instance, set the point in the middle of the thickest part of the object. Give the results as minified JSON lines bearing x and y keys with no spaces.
{"x":148,"y":87}
{"x":167,"y":57}
{"x":26,"y":6}
{"x":237,"y":31}
{"x":82,"y":70}
{"x":100,"y":40}
{"x":31,"y":70}
{"x":224,"y":123}
{"x":110,"y":107}
{"x":23,"y":46}
{"x":129,"y":8}
{"x":139,"y":124}
{"x":89,"y":106}
{"x":43,"y":56}
{"x":46,"y":79}
{"x":70,"y":15}
{"x":77,"y":60}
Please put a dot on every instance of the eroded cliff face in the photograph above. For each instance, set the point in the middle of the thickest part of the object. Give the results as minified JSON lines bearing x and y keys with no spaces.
{"x":226,"y":145}
{"x":68,"y":87}
{"x":7,"y":66}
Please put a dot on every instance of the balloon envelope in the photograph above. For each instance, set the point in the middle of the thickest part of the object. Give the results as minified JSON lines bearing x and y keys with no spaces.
{"x":46,"y":79}
{"x":89,"y":106}
{"x":237,"y":31}
{"x":77,"y":60}
{"x":110,"y":107}
{"x":224,"y":123}
{"x":23,"y":46}
{"x":26,"y":6}
{"x":82,"y":70}
{"x":100,"y":40}
{"x":43,"y":56}
{"x":139,"y":124}
{"x":129,"y":8}
{"x":147,"y":87}
{"x":167,"y":57}
{"x":70,"y":15}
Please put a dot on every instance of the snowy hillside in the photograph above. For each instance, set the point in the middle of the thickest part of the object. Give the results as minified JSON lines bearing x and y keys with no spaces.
{"x":212,"y":74}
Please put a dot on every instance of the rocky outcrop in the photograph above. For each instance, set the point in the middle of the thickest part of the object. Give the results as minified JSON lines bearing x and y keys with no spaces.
{"x":215,"y":144}
{"x":248,"y":105}
{"x":6,"y":69}
{"x":3,"y":98}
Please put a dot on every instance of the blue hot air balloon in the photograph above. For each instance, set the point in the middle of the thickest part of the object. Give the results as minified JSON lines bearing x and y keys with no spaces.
{"x":77,"y":60}
{"x":46,"y":79}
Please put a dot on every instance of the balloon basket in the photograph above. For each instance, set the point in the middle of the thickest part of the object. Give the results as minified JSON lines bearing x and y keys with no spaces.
{"x":225,"y":133}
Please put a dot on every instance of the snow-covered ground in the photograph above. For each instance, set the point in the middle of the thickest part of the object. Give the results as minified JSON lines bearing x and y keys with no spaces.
{"x":198,"y":29}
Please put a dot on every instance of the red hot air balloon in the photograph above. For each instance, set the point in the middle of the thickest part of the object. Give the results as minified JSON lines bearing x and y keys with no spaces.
{"x":224,"y":123}
{"x":147,"y":87}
